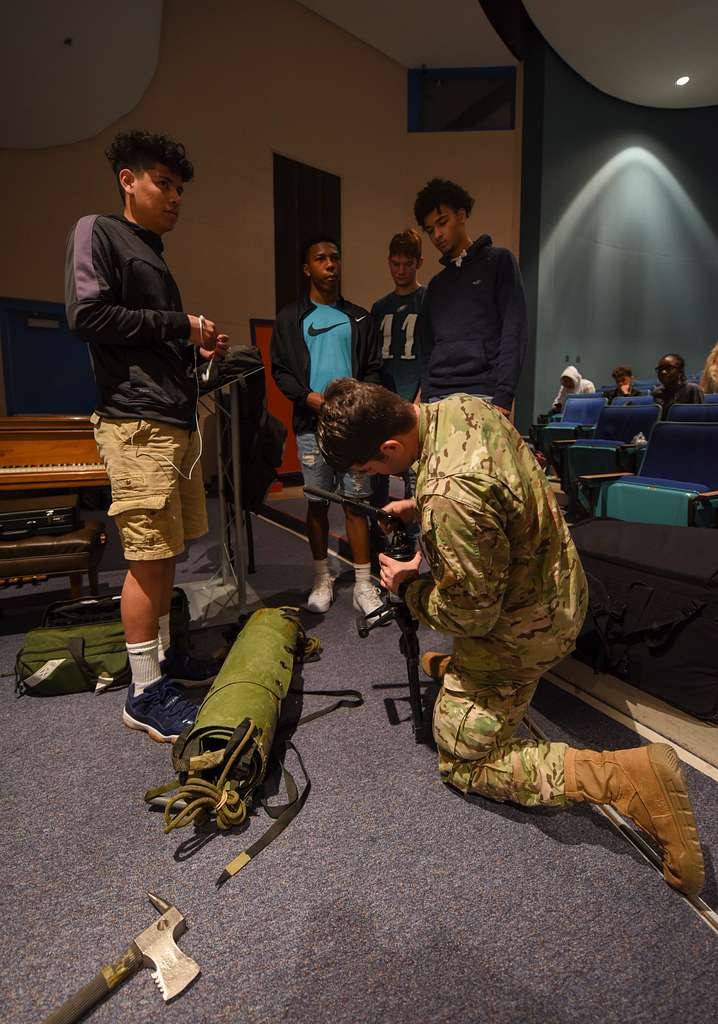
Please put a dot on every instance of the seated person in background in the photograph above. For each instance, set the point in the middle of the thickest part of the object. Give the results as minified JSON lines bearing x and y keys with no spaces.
{"x":673,"y":387}
{"x":572,"y":383}
{"x":709,"y":380}
{"x":623,"y":376}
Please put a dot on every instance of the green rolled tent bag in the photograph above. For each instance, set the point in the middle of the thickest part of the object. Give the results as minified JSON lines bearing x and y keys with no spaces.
{"x":222,"y":759}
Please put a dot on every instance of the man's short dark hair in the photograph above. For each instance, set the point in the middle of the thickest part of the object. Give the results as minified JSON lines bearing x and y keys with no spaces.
{"x":440,"y":192}
{"x":674,"y":355}
{"x":406,"y":243}
{"x":140,"y":151}
{"x":621,"y":372}
{"x":357,"y":418}
{"x":315,"y":240}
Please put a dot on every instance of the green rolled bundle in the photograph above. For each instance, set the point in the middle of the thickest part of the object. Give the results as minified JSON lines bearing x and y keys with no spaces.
{"x":222,"y":758}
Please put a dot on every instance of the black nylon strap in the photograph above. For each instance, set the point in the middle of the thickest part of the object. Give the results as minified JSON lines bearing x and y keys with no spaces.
{"x":76,"y":647}
{"x":285,"y":813}
{"x":657,"y":634}
{"x":352,"y":699}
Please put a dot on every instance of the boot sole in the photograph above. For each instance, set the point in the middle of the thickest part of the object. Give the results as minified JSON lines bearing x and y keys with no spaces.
{"x":667,"y":769}
{"x":436,"y":676}
{"x":134,"y":723}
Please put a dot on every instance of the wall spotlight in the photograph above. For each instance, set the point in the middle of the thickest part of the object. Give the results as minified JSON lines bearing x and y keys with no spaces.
{"x":683,"y":80}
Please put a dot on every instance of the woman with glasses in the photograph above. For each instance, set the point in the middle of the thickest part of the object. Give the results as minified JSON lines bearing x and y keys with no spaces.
{"x":673,"y":386}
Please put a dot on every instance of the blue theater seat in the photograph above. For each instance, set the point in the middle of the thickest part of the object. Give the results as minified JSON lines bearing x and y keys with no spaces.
{"x":609,"y":450}
{"x":693,"y":413}
{"x":578,"y":418}
{"x":633,"y":400}
{"x":710,"y":399}
{"x":677,"y":483}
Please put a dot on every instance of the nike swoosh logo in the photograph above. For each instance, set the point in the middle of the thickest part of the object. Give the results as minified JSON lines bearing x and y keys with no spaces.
{"x":360,"y":318}
{"x":314,"y":332}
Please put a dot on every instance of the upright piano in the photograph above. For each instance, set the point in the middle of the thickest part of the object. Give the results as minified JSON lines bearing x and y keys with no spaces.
{"x":48,"y":453}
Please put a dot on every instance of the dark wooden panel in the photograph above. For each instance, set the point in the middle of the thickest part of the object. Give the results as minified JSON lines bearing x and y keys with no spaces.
{"x":307,"y":202}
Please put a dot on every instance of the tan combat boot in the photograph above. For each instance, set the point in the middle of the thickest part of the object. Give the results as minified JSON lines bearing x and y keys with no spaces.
{"x":434,"y":663}
{"x":645,"y":784}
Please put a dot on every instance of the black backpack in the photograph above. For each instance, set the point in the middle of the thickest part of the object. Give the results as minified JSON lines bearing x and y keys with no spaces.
{"x":653,"y":609}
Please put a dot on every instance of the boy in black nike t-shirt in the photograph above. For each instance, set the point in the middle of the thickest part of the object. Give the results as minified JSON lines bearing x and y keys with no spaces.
{"x":316,"y":340}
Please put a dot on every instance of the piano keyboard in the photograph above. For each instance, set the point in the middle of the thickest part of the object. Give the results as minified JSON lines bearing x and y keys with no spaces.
{"x":59,"y":467}
{"x":49,"y":453}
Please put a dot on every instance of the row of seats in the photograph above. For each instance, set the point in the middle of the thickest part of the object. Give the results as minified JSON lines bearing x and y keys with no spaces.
{"x":598,"y":401}
{"x":676,"y":482}
{"x":596,"y":447}
{"x":648,"y":400}
{"x":641,"y":387}
{"x":582,"y":414}
{"x":645,"y":384}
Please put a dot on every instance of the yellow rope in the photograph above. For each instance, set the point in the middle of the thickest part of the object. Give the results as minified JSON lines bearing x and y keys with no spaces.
{"x":312,"y":646}
{"x":203,"y":797}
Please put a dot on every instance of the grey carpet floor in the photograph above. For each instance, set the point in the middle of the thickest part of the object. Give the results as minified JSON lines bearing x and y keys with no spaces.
{"x":390,"y":898}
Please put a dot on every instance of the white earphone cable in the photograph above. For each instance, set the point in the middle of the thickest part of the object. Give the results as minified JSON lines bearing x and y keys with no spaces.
{"x":157,"y":456}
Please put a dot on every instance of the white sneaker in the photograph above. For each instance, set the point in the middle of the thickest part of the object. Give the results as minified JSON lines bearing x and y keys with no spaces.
{"x":367,"y":598}
{"x":321,"y":596}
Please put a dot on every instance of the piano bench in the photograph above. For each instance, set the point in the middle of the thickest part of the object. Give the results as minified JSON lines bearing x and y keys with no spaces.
{"x":34,"y":559}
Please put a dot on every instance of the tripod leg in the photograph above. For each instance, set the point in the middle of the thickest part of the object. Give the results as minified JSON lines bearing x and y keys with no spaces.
{"x":409,"y":646}
{"x":422,"y":729}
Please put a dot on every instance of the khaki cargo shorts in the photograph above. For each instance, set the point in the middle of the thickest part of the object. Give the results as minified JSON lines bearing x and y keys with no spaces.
{"x":155,"y":507}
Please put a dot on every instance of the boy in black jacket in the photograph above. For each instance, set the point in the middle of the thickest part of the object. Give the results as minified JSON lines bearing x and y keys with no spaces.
{"x":123,"y":301}
{"x":316,"y":340}
{"x":472,"y":328}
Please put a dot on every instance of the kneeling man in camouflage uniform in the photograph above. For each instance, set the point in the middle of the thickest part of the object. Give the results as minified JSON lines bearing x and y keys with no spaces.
{"x":507,"y":584}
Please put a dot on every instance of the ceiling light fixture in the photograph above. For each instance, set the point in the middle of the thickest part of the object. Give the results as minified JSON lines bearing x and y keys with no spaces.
{"x":683,"y":80}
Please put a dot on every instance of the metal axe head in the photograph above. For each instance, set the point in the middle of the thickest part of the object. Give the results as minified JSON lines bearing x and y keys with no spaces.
{"x":172,"y":970}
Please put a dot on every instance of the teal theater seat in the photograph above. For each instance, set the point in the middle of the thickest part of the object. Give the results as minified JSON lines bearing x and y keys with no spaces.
{"x":610,"y":449}
{"x":677,"y":483}
{"x":579,"y":417}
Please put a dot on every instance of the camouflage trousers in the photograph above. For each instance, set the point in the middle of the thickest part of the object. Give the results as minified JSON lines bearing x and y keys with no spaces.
{"x":479,"y":707}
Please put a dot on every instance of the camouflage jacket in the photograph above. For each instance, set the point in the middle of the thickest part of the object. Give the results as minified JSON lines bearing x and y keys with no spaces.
{"x":501,"y":556}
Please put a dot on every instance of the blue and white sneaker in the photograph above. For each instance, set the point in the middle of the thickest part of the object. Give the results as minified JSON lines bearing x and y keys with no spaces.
{"x":161,"y":711}
{"x":188,"y":670}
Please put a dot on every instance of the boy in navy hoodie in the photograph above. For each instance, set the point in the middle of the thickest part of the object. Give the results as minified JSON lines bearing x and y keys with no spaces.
{"x":473,"y":324}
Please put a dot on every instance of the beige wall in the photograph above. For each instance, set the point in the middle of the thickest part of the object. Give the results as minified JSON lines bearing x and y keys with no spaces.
{"x":236,"y":81}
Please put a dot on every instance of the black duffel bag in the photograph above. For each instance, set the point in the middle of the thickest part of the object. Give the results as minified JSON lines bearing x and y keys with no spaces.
{"x":653,"y":609}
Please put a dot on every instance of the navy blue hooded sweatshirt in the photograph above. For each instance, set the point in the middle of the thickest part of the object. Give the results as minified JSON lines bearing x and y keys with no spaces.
{"x":472,"y":326}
